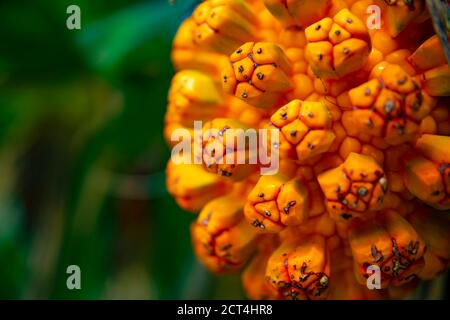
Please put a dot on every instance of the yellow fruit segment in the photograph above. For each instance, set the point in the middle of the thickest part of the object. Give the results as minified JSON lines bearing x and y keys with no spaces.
{"x":354,"y":188}
{"x":338,"y":46}
{"x":258,"y":74}
{"x":306,"y":126}
{"x":191,"y":186}
{"x":276,"y":202}
{"x":390,"y":106}
{"x":221,"y":237}
{"x":222,"y":25}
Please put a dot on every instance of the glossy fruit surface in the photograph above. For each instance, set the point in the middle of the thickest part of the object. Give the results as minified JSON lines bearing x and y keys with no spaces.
{"x":363,"y":122}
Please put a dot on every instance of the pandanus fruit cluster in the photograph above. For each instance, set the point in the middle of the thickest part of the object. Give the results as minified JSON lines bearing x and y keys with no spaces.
{"x":364,"y":145}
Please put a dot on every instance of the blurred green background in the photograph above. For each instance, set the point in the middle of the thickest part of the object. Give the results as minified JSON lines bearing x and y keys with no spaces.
{"x":82,"y":156}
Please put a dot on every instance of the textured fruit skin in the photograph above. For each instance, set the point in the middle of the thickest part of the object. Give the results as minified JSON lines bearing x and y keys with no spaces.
{"x":354,"y":189}
{"x":221,"y":238}
{"x":364,"y":133}
{"x":300,"y":269}
{"x":257,"y":73}
{"x":277,"y":201}
{"x":215,"y":138}
{"x":338,"y":46}
{"x":391,"y":243}
{"x":390,"y":106}
{"x":305,"y":127}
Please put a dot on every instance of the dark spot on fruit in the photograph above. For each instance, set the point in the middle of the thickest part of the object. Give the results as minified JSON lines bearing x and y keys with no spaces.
{"x":346,"y":216}
{"x":225,"y":173}
{"x":402,"y":81}
{"x":362,"y":192}
{"x":289,"y":205}
{"x":376,"y":254}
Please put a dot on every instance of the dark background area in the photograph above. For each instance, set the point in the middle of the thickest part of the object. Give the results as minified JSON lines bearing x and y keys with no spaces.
{"x":82,"y":156}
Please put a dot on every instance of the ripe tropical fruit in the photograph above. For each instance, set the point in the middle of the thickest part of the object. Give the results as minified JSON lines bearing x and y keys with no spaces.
{"x":193,"y":95}
{"x":427,"y":174}
{"x":277,"y":201}
{"x":257,"y":73}
{"x":221,"y":238}
{"x":221,"y":153}
{"x":390,"y":106}
{"x":192,"y":186}
{"x":306,"y":127}
{"x":337,"y":46}
{"x":223,"y":24}
{"x":354,"y":189}
{"x":392,"y":244}
{"x":361,"y":127}
{"x":300,"y":269}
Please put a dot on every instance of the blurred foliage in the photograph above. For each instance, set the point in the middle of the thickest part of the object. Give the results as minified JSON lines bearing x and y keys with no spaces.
{"x":82,"y":156}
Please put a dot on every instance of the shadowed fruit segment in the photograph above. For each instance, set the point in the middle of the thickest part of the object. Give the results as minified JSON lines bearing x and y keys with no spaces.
{"x":427,"y":174}
{"x":306,"y":127}
{"x":352,"y":114}
{"x":433,"y":228}
{"x":257,"y":73}
{"x":254,"y":276}
{"x":221,"y":237}
{"x":392,"y":244}
{"x":338,"y":46}
{"x":437,"y":81}
{"x":298,"y":12}
{"x":300,"y":269}
{"x":399,"y":13}
{"x":354,"y":188}
{"x":432,"y":48}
